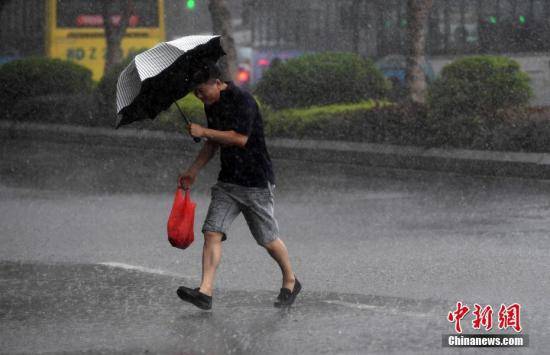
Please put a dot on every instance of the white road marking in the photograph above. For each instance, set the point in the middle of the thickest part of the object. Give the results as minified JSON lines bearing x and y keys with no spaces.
{"x":353,"y":305}
{"x":380,"y":308}
{"x":140,"y":268}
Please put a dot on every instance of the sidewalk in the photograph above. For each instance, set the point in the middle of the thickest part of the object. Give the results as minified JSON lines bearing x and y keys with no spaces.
{"x":462,"y":161}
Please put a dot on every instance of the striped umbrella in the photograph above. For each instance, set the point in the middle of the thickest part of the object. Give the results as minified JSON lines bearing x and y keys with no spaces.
{"x":161,"y":75}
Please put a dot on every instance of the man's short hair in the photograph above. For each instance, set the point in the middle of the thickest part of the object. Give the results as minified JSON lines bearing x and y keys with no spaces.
{"x":207,"y":71}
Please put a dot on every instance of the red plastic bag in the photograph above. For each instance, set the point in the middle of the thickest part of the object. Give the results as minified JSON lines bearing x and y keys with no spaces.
{"x":182,"y":220}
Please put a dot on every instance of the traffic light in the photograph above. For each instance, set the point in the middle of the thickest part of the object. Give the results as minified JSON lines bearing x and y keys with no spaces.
{"x":243,"y":76}
{"x":190,"y":4}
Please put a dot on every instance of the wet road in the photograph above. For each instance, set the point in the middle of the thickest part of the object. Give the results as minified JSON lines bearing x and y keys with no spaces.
{"x":383,"y":256}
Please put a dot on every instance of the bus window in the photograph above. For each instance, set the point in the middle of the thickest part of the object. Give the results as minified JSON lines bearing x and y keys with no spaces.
{"x":85,"y":13}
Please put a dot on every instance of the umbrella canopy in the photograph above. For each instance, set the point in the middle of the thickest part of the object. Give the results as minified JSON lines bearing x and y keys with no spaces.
{"x":161,"y":75}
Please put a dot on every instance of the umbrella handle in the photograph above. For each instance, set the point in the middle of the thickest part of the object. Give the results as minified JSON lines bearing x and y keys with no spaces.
{"x":196,"y":139}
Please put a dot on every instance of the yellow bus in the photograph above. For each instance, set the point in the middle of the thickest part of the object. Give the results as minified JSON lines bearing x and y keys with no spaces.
{"x":74,"y":30}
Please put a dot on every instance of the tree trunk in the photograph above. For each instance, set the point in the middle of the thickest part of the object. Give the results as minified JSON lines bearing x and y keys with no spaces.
{"x":417,"y":15}
{"x":356,"y":18}
{"x":221,"y":23}
{"x":113,"y":33}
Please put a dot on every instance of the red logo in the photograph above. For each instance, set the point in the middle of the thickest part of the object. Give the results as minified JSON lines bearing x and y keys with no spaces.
{"x":457,"y":315}
{"x":508,"y":317}
{"x":483,"y":317}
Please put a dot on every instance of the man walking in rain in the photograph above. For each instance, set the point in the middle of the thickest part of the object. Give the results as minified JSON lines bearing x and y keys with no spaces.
{"x":245,"y":183}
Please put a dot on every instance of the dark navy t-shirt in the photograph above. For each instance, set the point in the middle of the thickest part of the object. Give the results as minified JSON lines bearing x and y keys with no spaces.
{"x":237,"y":110}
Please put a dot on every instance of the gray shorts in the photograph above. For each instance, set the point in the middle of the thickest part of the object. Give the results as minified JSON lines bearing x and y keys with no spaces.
{"x":256,"y":204}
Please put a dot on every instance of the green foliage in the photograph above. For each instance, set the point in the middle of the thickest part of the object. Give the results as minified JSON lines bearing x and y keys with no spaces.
{"x":477,"y":103}
{"x":312,"y":121}
{"x":469,"y":94}
{"x":479,"y":85}
{"x":369,"y":121}
{"x":35,"y":76}
{"x":516,"y":129}
{"x":321,"y":79}
{"x":71,"y":109}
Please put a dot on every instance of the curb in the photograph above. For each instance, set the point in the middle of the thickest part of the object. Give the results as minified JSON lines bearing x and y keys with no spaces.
{"x":462,"y":161}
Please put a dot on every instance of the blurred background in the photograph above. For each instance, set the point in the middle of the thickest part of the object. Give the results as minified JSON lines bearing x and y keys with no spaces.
{"x":269,"y":29}
{"x":375,"y":67}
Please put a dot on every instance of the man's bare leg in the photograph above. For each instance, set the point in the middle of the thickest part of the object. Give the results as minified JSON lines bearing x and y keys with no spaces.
{"x":278,"y":251}
{"x":211,"y":256}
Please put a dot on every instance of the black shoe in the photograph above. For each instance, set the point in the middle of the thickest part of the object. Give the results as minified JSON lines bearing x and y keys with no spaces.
{"x":195,"y":297}
{"x":287,"y":297}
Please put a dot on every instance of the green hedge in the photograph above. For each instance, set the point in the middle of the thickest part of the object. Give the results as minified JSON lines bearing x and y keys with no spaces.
{"x":479,"y":85}
{"x":405,"y":124}
{"x":378,"y":121}
{"x":32,"y":77}
{"x":465,"y":123}
{"x":321,"y":79}
{"x":514,"y":129}
{"x":315,"y":121}
{"x":74,"y":109}
{"x":369,"y":121}
{"x":470,"y":93}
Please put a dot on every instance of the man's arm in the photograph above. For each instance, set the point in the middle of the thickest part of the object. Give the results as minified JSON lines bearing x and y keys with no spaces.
{"x":206,"y":153}
{"x":221,"y":137}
